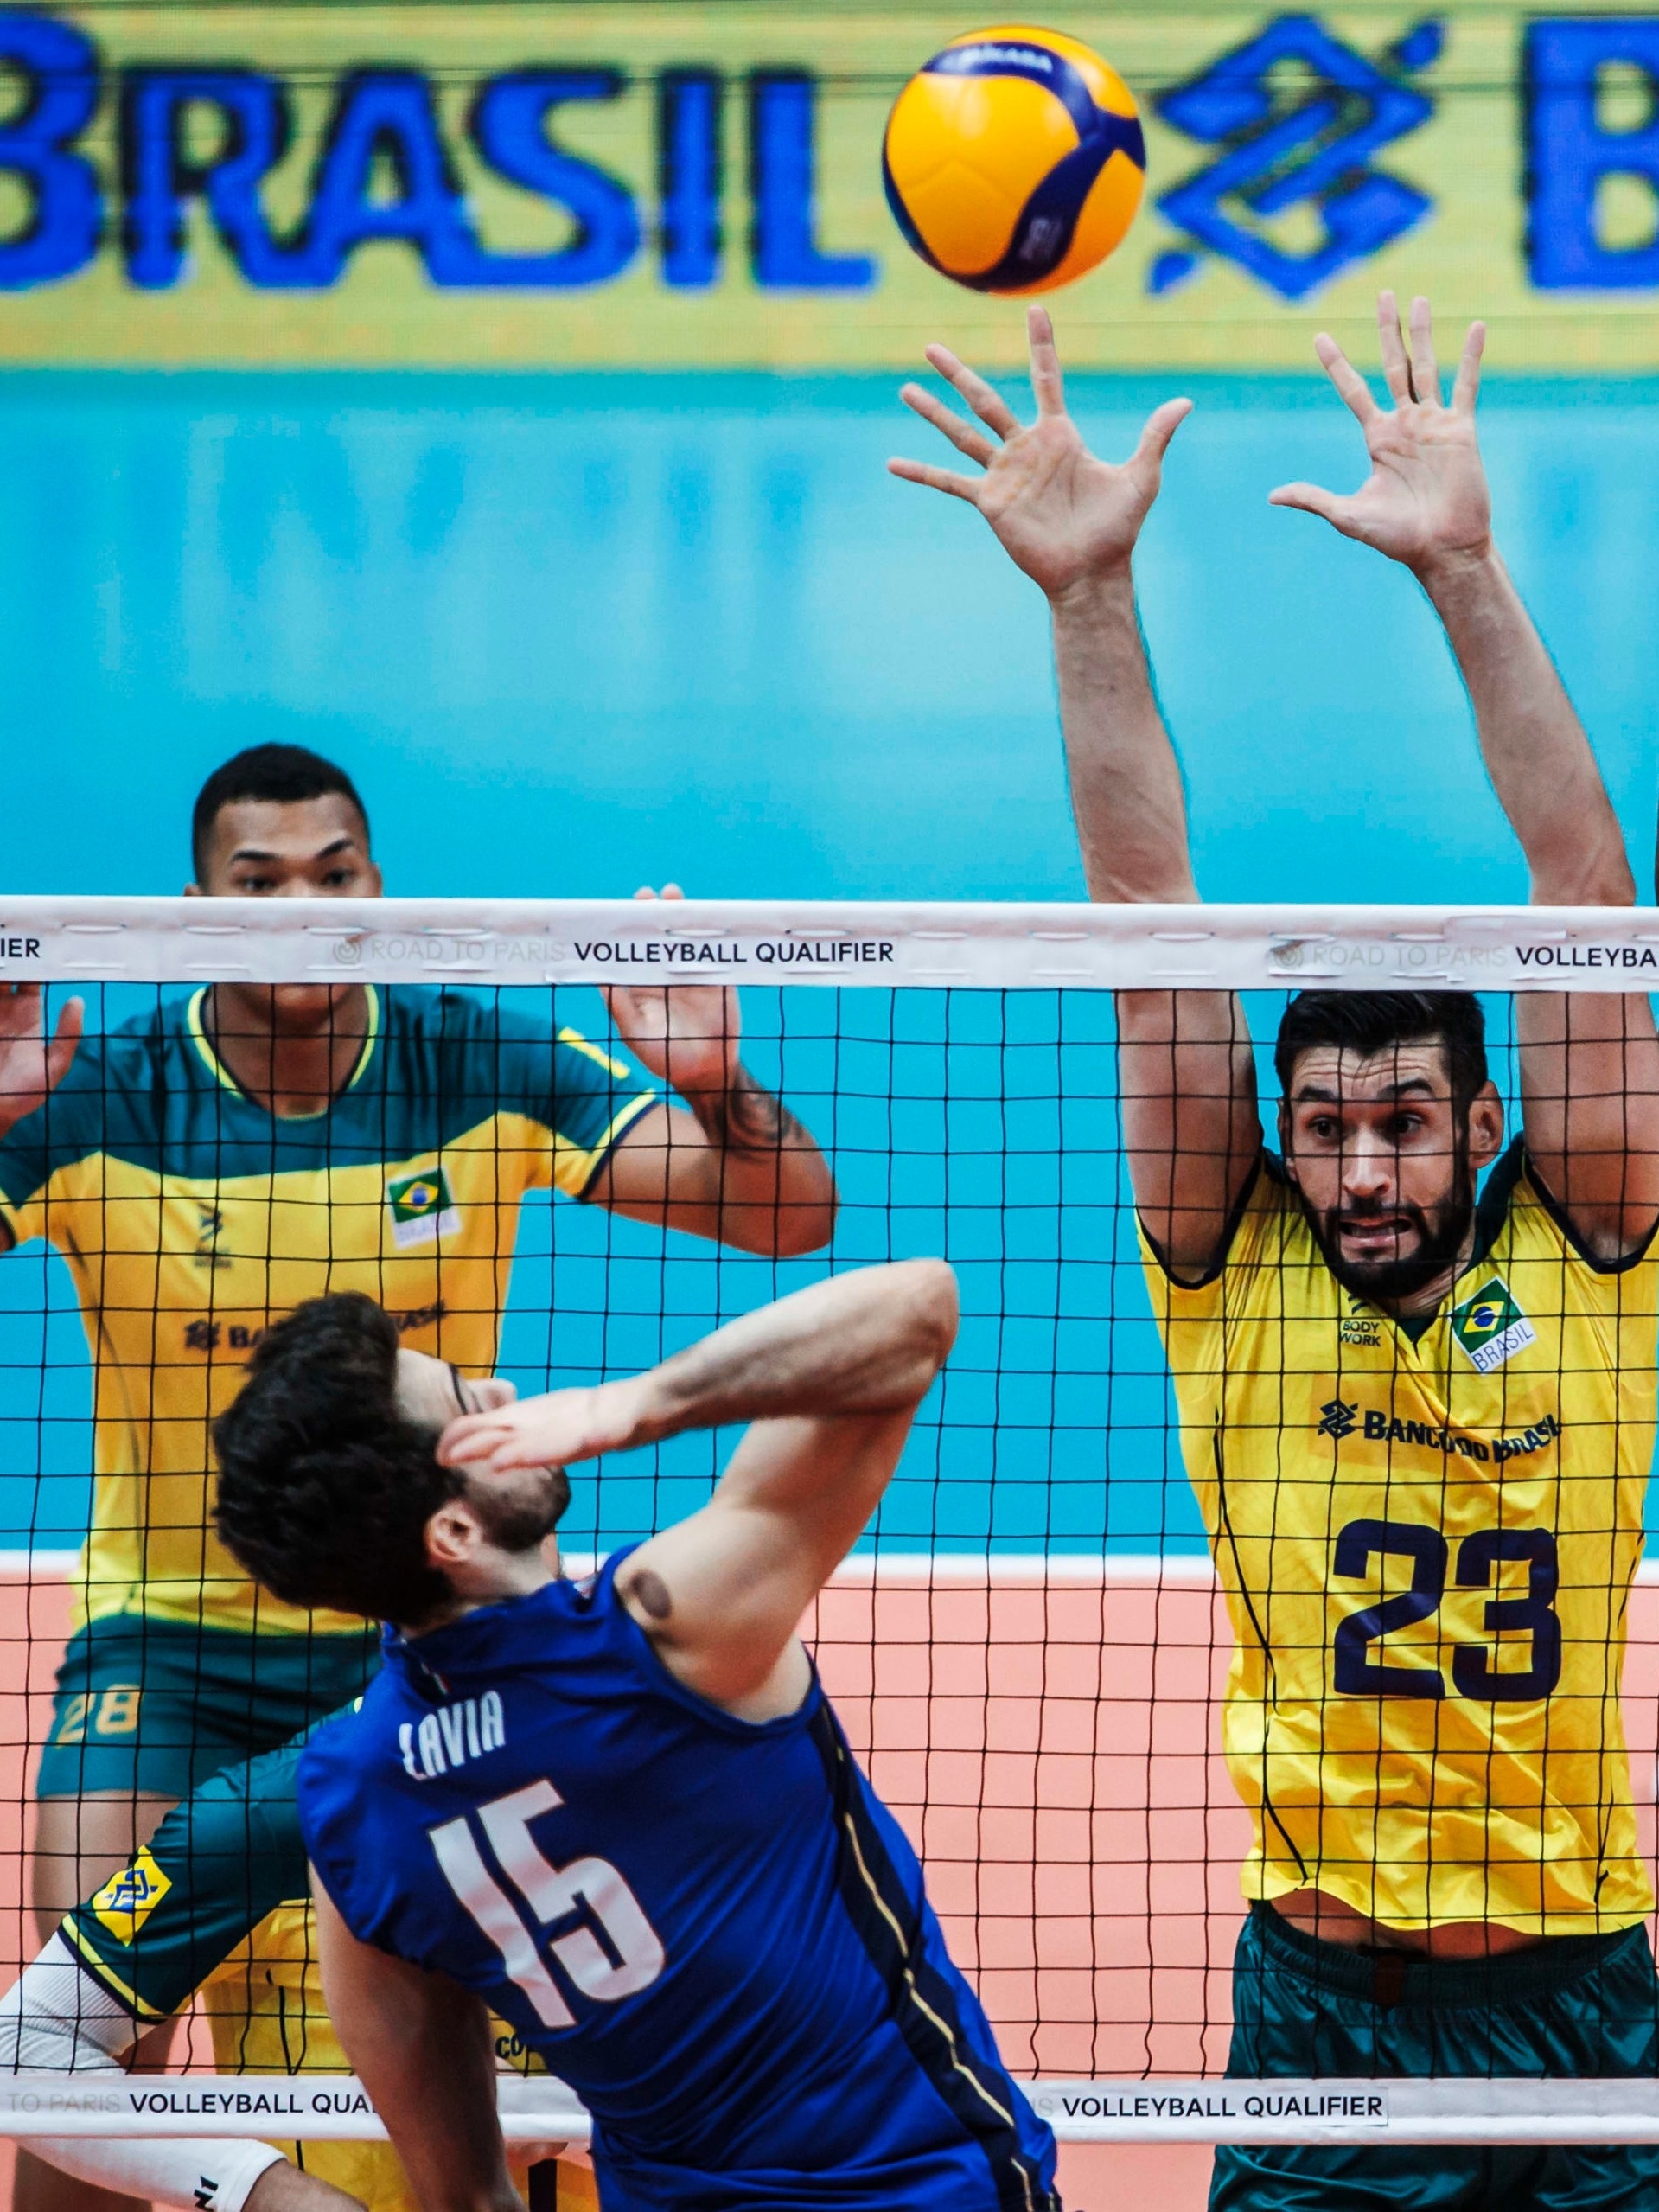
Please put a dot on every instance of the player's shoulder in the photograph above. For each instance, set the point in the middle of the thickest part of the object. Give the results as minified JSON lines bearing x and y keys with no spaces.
{"x":1519,"y":1219}
{"x":1263,"y":1229}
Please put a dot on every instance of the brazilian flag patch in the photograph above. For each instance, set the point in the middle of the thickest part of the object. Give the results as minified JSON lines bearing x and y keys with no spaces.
{"x":421,"y":1207}
{"x":127,"y":1899}
{"x":1490,"y":1327}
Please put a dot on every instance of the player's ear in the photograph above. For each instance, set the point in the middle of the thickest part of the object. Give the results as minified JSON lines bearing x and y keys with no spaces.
{"x":452,"y":1536}
{"x":1485,"y":1127}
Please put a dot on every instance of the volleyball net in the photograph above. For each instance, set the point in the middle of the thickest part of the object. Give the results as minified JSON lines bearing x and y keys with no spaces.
{"x":1029,"y":1649}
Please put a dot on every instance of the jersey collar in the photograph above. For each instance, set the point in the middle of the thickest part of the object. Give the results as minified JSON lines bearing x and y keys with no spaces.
{"x":222,"y":1075}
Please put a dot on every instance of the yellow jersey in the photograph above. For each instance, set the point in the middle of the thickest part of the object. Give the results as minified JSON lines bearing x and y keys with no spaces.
{"x":1426,"y":1541}
{"x":191,"y":1219}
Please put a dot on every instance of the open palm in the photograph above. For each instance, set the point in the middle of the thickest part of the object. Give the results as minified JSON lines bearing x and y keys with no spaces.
{"x":1425,"y":498}
{"x":686,"y":1035}
{"x":32,"y":1064}
{"x":1061,"y":514}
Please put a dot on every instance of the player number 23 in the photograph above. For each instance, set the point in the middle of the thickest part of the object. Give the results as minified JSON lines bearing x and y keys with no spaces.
{"x":1355,"y":1673}
{"x":552,"y":1893}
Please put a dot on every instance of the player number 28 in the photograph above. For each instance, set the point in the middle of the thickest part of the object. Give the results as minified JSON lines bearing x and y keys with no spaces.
{"x":1356,"y":1674}
{"x":552,"y":1893}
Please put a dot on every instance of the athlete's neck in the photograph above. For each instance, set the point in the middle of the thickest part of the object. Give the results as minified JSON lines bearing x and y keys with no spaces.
{"x":491,"y":1578}
{"x":291,"y":1048}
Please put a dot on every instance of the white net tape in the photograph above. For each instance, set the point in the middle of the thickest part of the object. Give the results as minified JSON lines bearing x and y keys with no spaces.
{"x":310,"y":2109}
{"x":502,"y":942}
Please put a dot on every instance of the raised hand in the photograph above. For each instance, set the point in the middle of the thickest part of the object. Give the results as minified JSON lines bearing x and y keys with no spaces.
{"x":1425,"y":498}
{"x":556,"y":1430}
{"x":687,"y":1035}
{"x":1060,"y":513}
{"x":32,"y":1065}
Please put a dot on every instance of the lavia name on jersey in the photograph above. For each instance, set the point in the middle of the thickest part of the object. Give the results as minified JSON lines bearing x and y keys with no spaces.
{"x":449,"y":1736}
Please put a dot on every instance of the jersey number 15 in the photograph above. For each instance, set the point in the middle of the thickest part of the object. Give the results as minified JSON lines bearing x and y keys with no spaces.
{"x":553,"y":1894}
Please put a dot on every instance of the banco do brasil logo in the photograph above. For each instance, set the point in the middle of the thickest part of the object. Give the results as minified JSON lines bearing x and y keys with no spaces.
{"x":1295,"y":115}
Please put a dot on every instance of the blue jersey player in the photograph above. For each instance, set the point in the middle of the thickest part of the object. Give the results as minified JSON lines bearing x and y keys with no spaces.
{"x":620,"y":1811}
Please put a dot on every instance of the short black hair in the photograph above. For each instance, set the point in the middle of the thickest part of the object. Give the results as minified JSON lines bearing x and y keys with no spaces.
{"x":284,"y":774}
{"x":325,"y":1485}
{"x":1368,"y":1022}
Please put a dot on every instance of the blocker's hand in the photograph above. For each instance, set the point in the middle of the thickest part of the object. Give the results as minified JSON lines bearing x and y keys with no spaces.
{"x":557,"y":1430}
{"x":1425,"y":498}
{"x":1062,"y":514}
{"x":32,"y":1065}
{"x":688,"y":1036}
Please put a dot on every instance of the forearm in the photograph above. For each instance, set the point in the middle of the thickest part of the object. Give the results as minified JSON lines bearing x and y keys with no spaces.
{"x":1531,"y":739}
{"x":1126,"y":783}
{"x":421,"y":2046}
{"x":768,"y":1185}
{"x":867,"y":1343}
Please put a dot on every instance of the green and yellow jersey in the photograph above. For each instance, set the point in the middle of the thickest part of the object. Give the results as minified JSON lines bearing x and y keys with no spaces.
{"x":191,"y":1219}
{"x":1426,"y":1542}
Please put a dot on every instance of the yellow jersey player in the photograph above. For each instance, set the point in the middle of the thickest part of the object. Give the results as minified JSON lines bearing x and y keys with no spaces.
{"x":210,"y":1164}
{"x":1419,"y":1413}
{"x":217,"y":1903}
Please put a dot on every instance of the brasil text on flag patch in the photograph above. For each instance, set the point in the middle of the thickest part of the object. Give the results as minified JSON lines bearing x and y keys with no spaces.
{"x":421,"y":1207}
{"x":127,"y":1899}
{"x":1490,"y":1327}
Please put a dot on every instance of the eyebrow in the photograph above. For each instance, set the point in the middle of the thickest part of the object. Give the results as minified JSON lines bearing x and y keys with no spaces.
{"x":257,"y":852}
{"x":1413,"y":1084}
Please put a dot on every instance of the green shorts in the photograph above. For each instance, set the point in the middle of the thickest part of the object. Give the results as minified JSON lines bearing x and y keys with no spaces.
{"x":1577,"y":2005}
{"x":218,"y":1864}
{"x":154,"y":1707}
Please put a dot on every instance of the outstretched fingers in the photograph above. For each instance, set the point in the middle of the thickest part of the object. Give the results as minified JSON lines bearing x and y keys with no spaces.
{"x":1466,"y":388}
{"x":920,"y":472}
{"x":1356,"y":392}
{"x":1424,"y":369}
{"x":1397,"y":366}
{"x":962,"y":435}
{"x":1313,"y":499}
{"x":1048,"y":385}
{"x":1160,"y":427}
{"x":985,"y":400}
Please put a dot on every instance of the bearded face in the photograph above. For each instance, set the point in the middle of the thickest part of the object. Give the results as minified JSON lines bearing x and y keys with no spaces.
{"x":1385,"y":1161}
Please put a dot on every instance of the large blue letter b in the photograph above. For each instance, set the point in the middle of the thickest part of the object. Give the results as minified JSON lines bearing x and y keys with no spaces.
{"x":1569,"y":153}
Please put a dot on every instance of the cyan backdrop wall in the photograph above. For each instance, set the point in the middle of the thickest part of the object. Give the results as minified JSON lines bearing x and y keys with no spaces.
{"x":574,"y":634}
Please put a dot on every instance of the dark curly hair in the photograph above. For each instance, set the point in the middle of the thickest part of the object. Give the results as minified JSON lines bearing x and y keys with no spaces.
{"x":325,"y":1486}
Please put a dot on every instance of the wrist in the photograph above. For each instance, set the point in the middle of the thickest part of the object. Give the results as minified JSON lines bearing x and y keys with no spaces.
{"x":1456,"y":568}
{"x":1093,"y":593}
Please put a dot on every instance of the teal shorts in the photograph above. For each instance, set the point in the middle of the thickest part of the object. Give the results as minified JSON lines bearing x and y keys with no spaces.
{"x":1577,"y":2005}
{"x":152,"y":1707}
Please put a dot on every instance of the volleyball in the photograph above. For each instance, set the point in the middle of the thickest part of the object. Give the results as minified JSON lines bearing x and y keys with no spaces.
{"x":1014,"y":161}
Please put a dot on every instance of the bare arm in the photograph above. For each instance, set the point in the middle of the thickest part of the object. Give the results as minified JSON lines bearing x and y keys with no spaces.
{"x":1590,"y":1064}
{"x":1071,"y":522}
{"x":421,"y":2048}
{"x":738,"y":1167}
{"x":32,"y":1064}
{"x":831,"y":1379}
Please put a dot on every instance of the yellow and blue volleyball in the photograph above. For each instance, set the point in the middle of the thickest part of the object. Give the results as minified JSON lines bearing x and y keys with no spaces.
{"x":1014,"y":162}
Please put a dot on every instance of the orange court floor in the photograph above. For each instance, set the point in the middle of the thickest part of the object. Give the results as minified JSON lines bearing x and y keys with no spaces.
{"x":1051,"y":1746}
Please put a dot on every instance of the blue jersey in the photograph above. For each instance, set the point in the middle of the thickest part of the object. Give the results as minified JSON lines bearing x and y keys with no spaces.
{"x":709,"y":1927}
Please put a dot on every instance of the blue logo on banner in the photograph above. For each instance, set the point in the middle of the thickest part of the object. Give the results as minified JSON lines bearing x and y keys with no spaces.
{"x":1309,"y":150}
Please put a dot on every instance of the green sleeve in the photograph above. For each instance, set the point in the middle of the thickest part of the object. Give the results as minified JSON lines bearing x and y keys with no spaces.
{"x":218,"y":1864}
